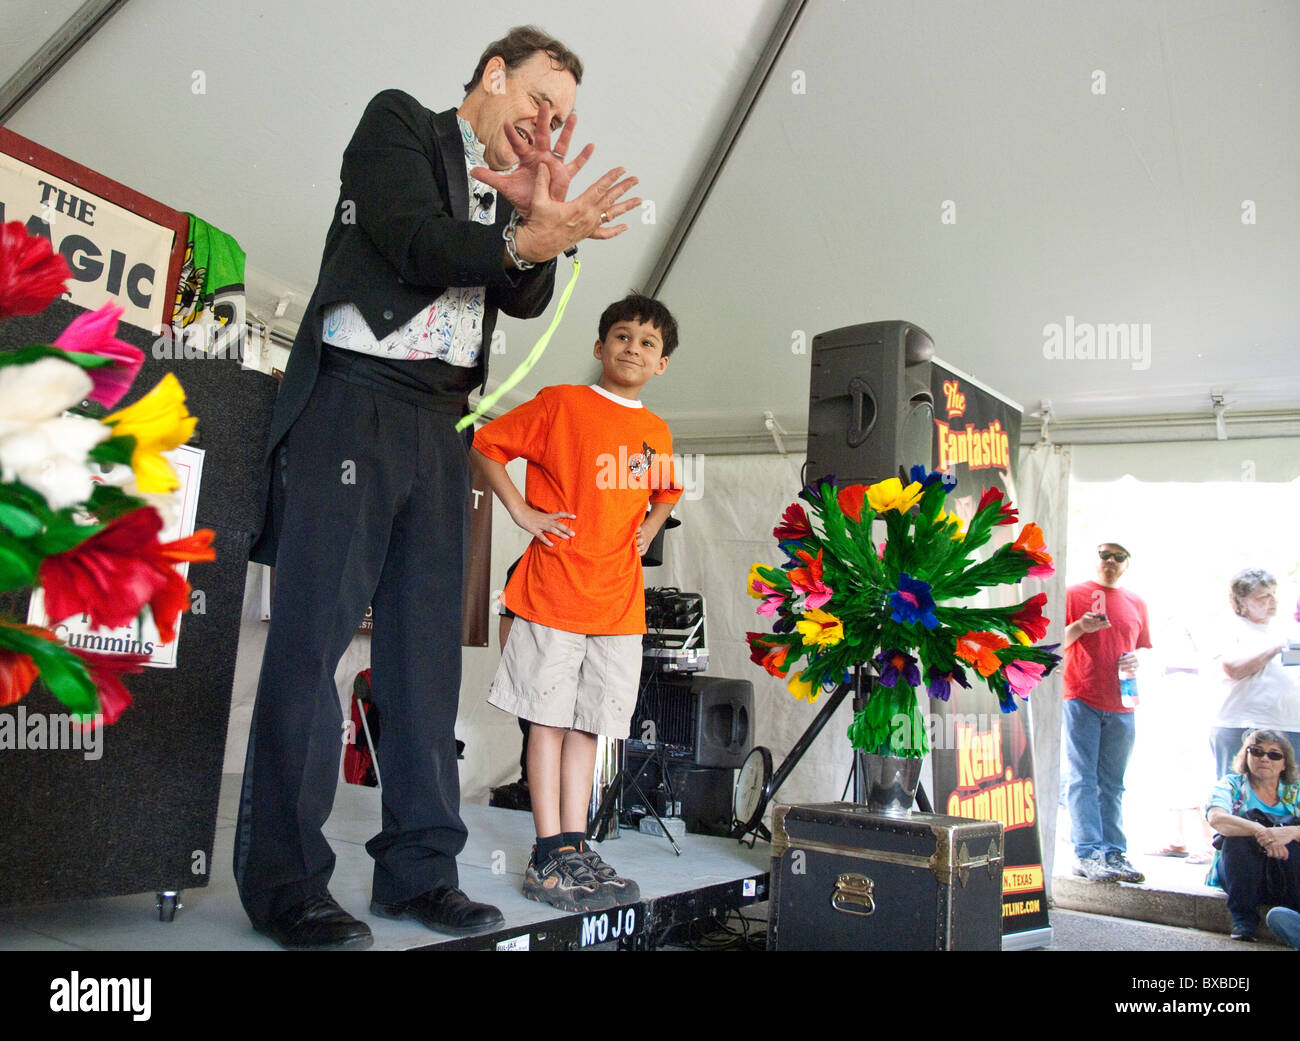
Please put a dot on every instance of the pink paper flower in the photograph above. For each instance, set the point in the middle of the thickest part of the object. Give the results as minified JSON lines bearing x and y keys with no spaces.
{"x":1023,"y":676}
{"x":93,"y":333}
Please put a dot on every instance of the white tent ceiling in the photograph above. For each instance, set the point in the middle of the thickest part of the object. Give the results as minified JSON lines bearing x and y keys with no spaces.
{"x":1116,"y":207}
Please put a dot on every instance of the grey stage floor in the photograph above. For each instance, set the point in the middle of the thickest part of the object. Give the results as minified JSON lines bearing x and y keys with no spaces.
{"x":491,"y":869}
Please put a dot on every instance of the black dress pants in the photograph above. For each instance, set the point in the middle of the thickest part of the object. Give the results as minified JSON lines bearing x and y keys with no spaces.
{"x":376,"y":511}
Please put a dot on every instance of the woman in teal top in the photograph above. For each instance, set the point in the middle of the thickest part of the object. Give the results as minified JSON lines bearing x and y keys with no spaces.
{"x":1256,"y":810}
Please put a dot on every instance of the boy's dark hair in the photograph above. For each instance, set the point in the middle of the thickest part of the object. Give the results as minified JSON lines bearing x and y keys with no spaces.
{"x":520,"y":44}
{"x":637,"y":308}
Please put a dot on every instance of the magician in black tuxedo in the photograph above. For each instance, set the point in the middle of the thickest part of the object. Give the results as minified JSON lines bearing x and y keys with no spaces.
{"x":370,"y":483}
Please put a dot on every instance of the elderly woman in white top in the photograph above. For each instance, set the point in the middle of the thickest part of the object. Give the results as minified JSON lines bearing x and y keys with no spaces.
{"x":1261,"y":692}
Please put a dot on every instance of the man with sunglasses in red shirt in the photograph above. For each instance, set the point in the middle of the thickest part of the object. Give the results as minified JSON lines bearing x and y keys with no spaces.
{"x":1104,"y":626}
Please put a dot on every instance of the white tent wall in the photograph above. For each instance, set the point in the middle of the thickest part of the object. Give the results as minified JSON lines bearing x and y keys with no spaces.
{"x":1043,"y":489}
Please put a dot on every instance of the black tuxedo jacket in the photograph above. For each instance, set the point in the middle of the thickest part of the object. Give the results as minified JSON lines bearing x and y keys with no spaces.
{"x":401,"y":235}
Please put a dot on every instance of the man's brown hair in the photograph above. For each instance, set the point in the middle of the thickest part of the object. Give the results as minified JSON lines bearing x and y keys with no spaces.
{"x":520,"y":44}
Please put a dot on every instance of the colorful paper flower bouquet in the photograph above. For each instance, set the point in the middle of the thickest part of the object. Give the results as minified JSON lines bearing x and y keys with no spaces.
{"x":92,"y":547}
{"x":841,"y":601}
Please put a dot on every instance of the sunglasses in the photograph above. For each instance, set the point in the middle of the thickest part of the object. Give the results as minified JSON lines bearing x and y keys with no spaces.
{"x":1272,"y":754}
{"x":1106,"y":554}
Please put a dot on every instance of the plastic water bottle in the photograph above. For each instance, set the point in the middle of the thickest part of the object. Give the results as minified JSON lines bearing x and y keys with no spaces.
{"x":1128,"y":688}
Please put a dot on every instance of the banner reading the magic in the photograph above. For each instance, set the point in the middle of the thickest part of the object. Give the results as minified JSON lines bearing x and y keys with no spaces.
{"x":983,"y":760}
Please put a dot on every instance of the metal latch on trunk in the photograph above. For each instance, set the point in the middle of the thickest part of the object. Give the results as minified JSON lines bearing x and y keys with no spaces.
{"x":853,"y":894}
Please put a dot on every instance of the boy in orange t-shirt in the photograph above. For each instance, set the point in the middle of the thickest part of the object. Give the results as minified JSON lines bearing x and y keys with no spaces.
{"x":596,"y":459}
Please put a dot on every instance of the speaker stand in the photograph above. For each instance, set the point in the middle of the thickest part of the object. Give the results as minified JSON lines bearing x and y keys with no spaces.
{"x":608,"y":804}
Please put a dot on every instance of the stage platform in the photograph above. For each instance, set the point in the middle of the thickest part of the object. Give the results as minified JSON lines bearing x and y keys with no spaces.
{"x":711,"y":875}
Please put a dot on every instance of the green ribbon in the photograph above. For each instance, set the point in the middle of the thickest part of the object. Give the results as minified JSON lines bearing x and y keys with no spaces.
{"x":487,"y":401}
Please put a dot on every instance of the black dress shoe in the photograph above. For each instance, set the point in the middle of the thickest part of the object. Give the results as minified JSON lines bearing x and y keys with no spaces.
{"x":445,"y":910}
{"x":318,"y":924}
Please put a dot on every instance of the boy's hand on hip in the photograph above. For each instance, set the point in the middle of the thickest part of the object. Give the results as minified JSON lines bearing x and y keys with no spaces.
{"x":539,"y":524}
{"x":645,"y":534}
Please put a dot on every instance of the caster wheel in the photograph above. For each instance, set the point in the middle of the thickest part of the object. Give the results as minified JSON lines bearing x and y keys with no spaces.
{"x":168,"y":904}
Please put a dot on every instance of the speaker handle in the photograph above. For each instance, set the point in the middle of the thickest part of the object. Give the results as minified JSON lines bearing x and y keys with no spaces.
{"x":858,"y":391}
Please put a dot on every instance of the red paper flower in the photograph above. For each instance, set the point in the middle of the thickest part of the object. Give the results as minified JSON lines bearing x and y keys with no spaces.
{"x":1029,"y":619}
{"x":978,"y":649}
{"x":106,"y":671}
{"x":17,"y":670}
{"x":771,"y":656}
{"x":110,"y":576}
{"x":808,"y":580}
{"x":174,"y":597}
{"x":1007,"y":514}
{"x":1031,"y":543}
{"x":794,"y":524}
{"x":196,"y":547}
{"x":115,"y":572}
{"x":17,"y":673}
{"x":850,"y":500}
{"x":93,"y":333}
{"x":31,"y":273}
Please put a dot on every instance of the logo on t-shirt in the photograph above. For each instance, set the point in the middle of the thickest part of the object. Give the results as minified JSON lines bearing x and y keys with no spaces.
{"x":639,"y":464}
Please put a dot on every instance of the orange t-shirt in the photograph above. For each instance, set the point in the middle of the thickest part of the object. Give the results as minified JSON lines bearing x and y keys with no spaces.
{"x":604,"y":461}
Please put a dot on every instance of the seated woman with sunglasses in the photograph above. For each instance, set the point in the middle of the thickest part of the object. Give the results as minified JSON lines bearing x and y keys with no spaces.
{"x":1259,"y":691}
{"x":1255,"y":810}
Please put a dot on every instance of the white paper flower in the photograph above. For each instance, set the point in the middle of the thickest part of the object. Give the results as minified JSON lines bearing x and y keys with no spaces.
{"x":38,"y":445}
{"x":40,"y":390}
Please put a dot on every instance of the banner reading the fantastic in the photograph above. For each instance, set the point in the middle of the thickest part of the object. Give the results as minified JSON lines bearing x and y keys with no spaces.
{"x":983,"y":759}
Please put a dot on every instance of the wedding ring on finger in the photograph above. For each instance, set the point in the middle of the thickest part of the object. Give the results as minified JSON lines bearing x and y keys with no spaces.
{"x":604,"y":216}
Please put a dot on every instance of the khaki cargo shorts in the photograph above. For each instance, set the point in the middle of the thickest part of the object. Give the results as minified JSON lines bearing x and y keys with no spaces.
{"x":568,"y":680}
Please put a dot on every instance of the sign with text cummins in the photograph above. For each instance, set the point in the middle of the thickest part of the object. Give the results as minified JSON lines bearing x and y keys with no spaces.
{"x":983,"y":759}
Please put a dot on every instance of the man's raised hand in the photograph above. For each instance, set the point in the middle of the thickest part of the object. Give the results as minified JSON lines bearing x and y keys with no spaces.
{"x":518,"y":185}
{"x":553,"y":226}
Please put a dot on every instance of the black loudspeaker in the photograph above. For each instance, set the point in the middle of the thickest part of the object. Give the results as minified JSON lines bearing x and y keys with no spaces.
{"x":870,"y":409}
{"x":707,"y":720}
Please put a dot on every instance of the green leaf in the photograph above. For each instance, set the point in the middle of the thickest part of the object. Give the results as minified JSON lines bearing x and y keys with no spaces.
{"x":62,"y":533}
{"x":18,"y":494}
{"x":61,"y":671}
{"x":66,"y":677}
{"x":34,"y":353}
{"x":108,"y":502}
{"x":17,"y":565}
{"x":21,"y":522}
{"x":115,"y":450}
{"x":88,"y":361}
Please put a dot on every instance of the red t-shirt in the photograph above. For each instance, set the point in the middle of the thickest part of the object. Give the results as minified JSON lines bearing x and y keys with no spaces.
{"x":604,"y":461}
{"x":1092,"y":661}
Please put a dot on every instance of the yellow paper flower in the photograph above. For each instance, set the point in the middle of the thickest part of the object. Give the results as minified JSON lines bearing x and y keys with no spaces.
{"x":801,"y":688}
{"x":891,"y":495}
{"x":821,"y":628}
{"x":159,"y":422}
{"x":951,"y":518}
